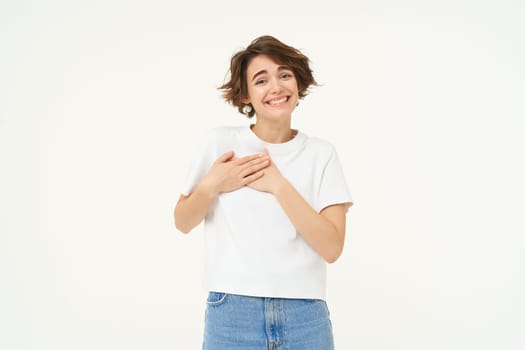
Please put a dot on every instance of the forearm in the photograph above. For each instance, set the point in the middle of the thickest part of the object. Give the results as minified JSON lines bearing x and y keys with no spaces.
{"x":225,"y":175}
{"x":191,"y":210}
{"x":322,"y":235}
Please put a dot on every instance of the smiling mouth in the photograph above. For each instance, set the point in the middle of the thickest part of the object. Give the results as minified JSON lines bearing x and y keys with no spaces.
{"x":278,"y":101}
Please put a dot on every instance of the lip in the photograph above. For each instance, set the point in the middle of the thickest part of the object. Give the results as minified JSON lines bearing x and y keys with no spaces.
{"x":286,"y":99}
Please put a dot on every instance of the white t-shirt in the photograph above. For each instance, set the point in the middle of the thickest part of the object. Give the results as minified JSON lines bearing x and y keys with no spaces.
{"x":252,"y":246}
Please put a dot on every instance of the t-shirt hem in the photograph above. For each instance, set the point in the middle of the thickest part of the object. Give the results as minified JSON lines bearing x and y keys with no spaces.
{"x":268,"y":294}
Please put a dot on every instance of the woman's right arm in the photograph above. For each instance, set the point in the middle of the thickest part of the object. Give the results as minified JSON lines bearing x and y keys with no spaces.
{"x":191,"y":210}
{"x":226,"y":174}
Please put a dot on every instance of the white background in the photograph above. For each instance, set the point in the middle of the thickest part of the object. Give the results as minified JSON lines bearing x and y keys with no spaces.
{"x":102,"y":104}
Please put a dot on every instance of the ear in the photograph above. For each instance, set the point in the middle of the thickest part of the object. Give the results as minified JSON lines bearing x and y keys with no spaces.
{"x":245,"y":100}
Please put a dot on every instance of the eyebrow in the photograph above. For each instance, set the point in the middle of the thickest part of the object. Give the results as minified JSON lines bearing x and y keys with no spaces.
{"x":280,"y":68}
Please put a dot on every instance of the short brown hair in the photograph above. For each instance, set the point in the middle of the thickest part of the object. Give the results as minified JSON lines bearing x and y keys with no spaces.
{"x":236,"y":89}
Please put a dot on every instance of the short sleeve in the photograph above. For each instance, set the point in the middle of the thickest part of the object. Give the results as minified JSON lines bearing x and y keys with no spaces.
{"x":333,"y":188}
{"x":199,"y":165}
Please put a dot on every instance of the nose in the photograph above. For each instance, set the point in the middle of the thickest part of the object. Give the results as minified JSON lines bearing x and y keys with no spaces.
{"x":275,"y":87}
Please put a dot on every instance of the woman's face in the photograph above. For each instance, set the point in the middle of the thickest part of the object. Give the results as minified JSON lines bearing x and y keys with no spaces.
{"x":272,"y":88}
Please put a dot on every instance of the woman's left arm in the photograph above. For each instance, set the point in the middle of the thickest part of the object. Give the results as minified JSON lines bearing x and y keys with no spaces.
{"x":324,"y":231}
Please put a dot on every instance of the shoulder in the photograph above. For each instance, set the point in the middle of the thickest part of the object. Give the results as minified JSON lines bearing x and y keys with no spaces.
{"x":224,"y":131}
{"x":319,"y":145}
{"x":220,"y":133}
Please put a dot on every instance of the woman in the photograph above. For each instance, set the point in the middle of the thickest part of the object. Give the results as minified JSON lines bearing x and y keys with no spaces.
{"x":274,"y":203}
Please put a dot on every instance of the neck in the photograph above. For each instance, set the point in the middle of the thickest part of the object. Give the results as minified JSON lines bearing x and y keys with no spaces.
{"x":273,"y":133}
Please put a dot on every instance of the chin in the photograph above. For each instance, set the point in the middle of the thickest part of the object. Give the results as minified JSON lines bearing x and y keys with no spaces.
{"x":274,"y":115}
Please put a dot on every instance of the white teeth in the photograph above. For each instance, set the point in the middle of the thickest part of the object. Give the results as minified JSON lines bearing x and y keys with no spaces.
{"x":276,"y":102}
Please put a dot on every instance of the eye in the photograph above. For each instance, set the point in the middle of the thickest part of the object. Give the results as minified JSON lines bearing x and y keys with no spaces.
{"x":287,"y":75}
{"x":259,"y":82}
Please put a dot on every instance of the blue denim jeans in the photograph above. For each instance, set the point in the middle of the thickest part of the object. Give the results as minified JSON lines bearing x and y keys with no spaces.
{"x":255,"y":323}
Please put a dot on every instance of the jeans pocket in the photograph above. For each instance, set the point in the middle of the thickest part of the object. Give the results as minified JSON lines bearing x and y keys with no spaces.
{"x":216,"y":298}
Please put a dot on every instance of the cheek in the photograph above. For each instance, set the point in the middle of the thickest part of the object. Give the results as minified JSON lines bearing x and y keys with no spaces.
{"x":294,"y":86}
{"x":256,"y":93}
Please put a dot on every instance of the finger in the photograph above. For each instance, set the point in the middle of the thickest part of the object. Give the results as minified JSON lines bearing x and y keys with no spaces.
{"x":246,"y":159}
{"x":254,"y":166}
{"x":254,"y":162}
{"x":242,"y":160}
{"x":225,"y":157}
{"x":251,"y":178}
{"x":251,"y":157}
{"x":267,"y":153}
